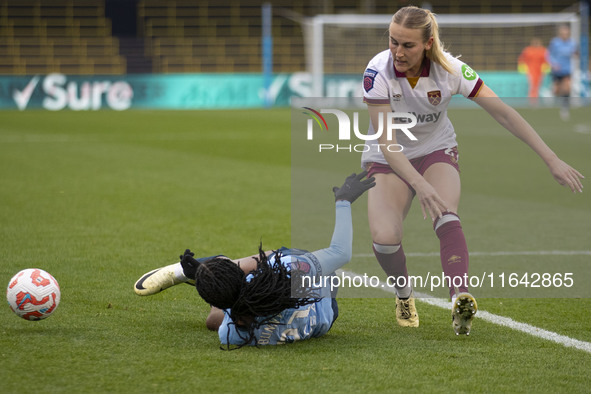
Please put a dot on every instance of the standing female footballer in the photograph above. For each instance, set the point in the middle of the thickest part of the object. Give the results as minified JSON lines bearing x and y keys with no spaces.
{"x":416,"y":75}
{"x":253,"y":301}
{"x":560,"y":52}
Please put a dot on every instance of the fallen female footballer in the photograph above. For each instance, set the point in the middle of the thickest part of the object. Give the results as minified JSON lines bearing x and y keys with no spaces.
{"x":252,"y":299}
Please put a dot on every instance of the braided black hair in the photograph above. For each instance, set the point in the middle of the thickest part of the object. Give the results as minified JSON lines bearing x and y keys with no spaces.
{"x":268,"y":292}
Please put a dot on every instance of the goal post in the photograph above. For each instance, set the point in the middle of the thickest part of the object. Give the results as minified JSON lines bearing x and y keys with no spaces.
{"x":344,"y":44}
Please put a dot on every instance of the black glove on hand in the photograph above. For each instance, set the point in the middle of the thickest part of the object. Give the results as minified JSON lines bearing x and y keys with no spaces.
{"x":353,"y":187}
{"x":189,"y":264}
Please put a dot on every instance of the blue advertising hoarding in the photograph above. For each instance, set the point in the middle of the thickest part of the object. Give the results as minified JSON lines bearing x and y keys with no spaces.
{"x":190,"y":91}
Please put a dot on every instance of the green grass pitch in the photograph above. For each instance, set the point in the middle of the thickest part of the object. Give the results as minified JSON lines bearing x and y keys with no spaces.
{"x":99,"y":198}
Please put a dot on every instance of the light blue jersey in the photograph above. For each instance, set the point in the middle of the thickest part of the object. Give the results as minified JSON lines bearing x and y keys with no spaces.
{"x":560,"y":53}
{"x":309,"y":321}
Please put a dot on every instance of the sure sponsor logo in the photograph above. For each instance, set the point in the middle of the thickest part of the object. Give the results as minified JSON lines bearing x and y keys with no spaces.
{"x":59,"y":93}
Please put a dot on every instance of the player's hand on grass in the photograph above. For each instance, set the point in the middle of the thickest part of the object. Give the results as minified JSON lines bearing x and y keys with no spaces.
{"x":431,"y":202}
{"x":566,"y":175}
{"x":189,"y":264}
{"x":353,"y":187}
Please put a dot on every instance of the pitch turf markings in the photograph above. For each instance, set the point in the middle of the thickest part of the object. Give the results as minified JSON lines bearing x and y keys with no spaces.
{"x":512,"y":324}
{"x":582,"y":128}
{"x":502,"y":253}
{"x":495,"y":319}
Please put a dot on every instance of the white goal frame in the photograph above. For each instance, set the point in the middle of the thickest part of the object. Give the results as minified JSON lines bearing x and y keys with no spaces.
{"x":314,"y":32}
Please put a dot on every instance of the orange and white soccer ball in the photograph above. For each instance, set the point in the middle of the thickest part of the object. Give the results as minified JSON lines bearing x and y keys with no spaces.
{"x":33,"y":294}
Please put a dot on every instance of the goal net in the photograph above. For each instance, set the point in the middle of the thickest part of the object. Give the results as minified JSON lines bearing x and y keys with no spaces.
{"x":344,"y":44}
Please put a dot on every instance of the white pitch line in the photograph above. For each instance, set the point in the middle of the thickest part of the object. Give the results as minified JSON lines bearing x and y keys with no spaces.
{"x":582,"y":128}
{"x":495,"y":319}
{"x":501,"y":253}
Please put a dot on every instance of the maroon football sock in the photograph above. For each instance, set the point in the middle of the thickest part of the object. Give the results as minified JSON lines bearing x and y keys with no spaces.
{"x":453,"y":251}
{"x":393,"y":261}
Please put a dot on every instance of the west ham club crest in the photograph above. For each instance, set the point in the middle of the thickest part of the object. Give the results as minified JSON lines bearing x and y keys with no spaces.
{"x":434,"y":97}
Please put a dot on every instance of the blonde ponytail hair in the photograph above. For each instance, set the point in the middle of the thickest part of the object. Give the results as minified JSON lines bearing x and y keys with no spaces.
{"x":412,"y":17}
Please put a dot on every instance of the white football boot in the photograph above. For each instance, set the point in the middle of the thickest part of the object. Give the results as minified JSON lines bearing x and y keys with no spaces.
{"x":159,"y":279}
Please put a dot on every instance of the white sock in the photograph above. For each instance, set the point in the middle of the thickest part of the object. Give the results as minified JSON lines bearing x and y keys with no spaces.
{"x":386,"y":249}
{"x":178,"y":272}
{"x":404,"y":292}
{"x":450,"y":217}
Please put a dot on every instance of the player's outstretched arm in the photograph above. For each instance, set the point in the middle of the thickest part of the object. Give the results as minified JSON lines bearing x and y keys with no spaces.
{"x":353,"y":187}
{"x":510,"y":119}
{"x":341,"y":245}
{"x":190,"y":264}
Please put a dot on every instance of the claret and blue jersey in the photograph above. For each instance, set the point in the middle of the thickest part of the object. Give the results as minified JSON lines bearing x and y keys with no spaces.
{"x":427,"y":97}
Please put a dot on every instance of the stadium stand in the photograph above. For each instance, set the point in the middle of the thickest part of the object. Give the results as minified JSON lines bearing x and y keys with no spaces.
{"x":64,"y":36}
{"x":190,"y":36}
{"x":170,"y":36}
{"x":225,"y":35}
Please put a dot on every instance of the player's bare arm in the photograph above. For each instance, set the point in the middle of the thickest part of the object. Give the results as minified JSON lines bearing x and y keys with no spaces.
{"x":510,"y":119}
{"x":249,"y":263}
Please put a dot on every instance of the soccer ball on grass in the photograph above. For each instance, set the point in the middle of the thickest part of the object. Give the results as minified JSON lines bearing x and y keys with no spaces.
{"x":33,"y":294}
